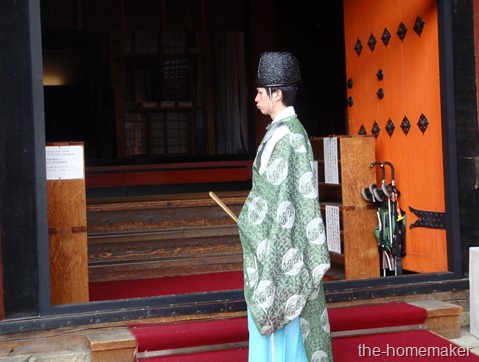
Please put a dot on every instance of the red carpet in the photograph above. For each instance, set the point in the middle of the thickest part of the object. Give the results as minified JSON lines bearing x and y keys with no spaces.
{"x":123,"y":289}
{"x":228,"y":355}
{"x":414,"y":345}
{"x":420,"y":346}
{"x":160,"y":336}
{"x":376,"y":316}
{"x":157,"y":337}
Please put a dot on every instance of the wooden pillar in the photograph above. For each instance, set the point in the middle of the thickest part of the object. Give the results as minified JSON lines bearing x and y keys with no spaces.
{"x":22,"y":161}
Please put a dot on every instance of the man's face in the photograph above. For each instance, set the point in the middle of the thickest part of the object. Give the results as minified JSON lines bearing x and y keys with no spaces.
{"x":263,"y":103}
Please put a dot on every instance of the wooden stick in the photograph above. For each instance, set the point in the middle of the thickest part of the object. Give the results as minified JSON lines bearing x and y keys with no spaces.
{"x":223,"y":206}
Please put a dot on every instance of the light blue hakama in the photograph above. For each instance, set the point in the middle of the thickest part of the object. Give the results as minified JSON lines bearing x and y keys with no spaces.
{"x":284,"y":345}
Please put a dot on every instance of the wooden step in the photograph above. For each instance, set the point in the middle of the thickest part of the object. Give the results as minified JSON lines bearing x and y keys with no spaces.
{"x":158,"y":253}
{"x":442,"y":318}
{"x":112,"y":345}
{"x":166,"y":235}
{"x":161,"y":212}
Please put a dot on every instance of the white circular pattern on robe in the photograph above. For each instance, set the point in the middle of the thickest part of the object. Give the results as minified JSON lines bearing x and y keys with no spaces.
{"x":294,"y":306}
{"x":292,"y":262}
{"x":325,"y":321}
{"x":319,"y":272}
{"x":262,"y":250}
{"x":315,"y":231}
{"x":253,"y":277}
{"x":307,"y":185}
{"x":285,"y":215}
{"x":264,"y":294}
{"x":257,"y":210}
{"x":319,"y":356}
{"x":297,"y":142}
{"x":305,"y":328}
{"x":277,"y":172}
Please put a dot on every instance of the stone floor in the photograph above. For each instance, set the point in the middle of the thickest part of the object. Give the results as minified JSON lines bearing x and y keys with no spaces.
{"x":467,"y":340}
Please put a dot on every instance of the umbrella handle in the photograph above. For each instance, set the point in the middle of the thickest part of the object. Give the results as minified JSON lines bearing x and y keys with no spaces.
{"x":383,"y":171}
{"x":392,"y":170}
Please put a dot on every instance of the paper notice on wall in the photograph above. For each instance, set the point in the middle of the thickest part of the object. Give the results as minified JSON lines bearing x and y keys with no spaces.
{"x":64,"y":162}
{"x":333,"y":232}
{"x":330,"y":148}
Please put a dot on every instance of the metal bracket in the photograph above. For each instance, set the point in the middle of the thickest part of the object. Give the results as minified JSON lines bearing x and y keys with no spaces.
{"x":428,"y":219}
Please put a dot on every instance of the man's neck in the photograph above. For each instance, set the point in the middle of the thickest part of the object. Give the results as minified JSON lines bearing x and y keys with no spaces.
{"x":279,"y":107}
{"x":283,"y":113}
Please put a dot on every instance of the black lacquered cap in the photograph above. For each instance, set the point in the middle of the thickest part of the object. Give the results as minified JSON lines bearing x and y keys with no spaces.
{"x":277,"y":69}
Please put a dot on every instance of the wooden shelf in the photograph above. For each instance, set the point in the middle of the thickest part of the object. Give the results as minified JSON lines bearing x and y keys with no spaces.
{"x":359,"y":256}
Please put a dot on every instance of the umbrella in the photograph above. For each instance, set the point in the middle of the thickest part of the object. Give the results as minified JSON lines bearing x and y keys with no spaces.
{"x":391,"y":229}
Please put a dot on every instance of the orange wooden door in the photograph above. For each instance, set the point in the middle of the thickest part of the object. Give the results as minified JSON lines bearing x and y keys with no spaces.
{"x":410,"y":86}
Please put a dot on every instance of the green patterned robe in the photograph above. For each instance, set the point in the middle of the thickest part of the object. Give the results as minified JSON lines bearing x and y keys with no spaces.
{"x":283,"y":239}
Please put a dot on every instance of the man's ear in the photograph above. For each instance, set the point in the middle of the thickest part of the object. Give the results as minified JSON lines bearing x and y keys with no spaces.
{"x":278,"y":95}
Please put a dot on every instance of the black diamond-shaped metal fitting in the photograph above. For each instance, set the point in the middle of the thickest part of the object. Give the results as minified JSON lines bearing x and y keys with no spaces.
{"x":380,"y":74}
{"x":375,"y":130}
{"x":390,"y":127}
{"x":402,"y":30}
{"x":386,"y":36}
{"x":380,"y":93}
{"x":362,"y":130}
{"x":358,"y":47}
{"x":350,"y":101}
{"x":422,"y":123}
{"x":405,"y":125}
{"x":419,"y":25}
{"x":372,"y":42}
{"x":349,"y":83}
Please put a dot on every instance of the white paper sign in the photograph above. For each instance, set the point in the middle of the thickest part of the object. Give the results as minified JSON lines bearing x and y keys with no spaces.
{"x":64,"y":162}
{"x":330,"y":148}
{"x":333,"y":233}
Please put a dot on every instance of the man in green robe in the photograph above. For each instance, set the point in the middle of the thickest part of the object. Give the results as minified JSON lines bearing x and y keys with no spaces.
{"x":282,"y":231}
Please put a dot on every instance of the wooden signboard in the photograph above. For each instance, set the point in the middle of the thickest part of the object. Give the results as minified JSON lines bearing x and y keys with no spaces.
{"x":67,"y":223}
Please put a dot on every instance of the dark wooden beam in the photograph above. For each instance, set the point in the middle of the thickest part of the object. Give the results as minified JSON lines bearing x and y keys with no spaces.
{"x":22,"y":166}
